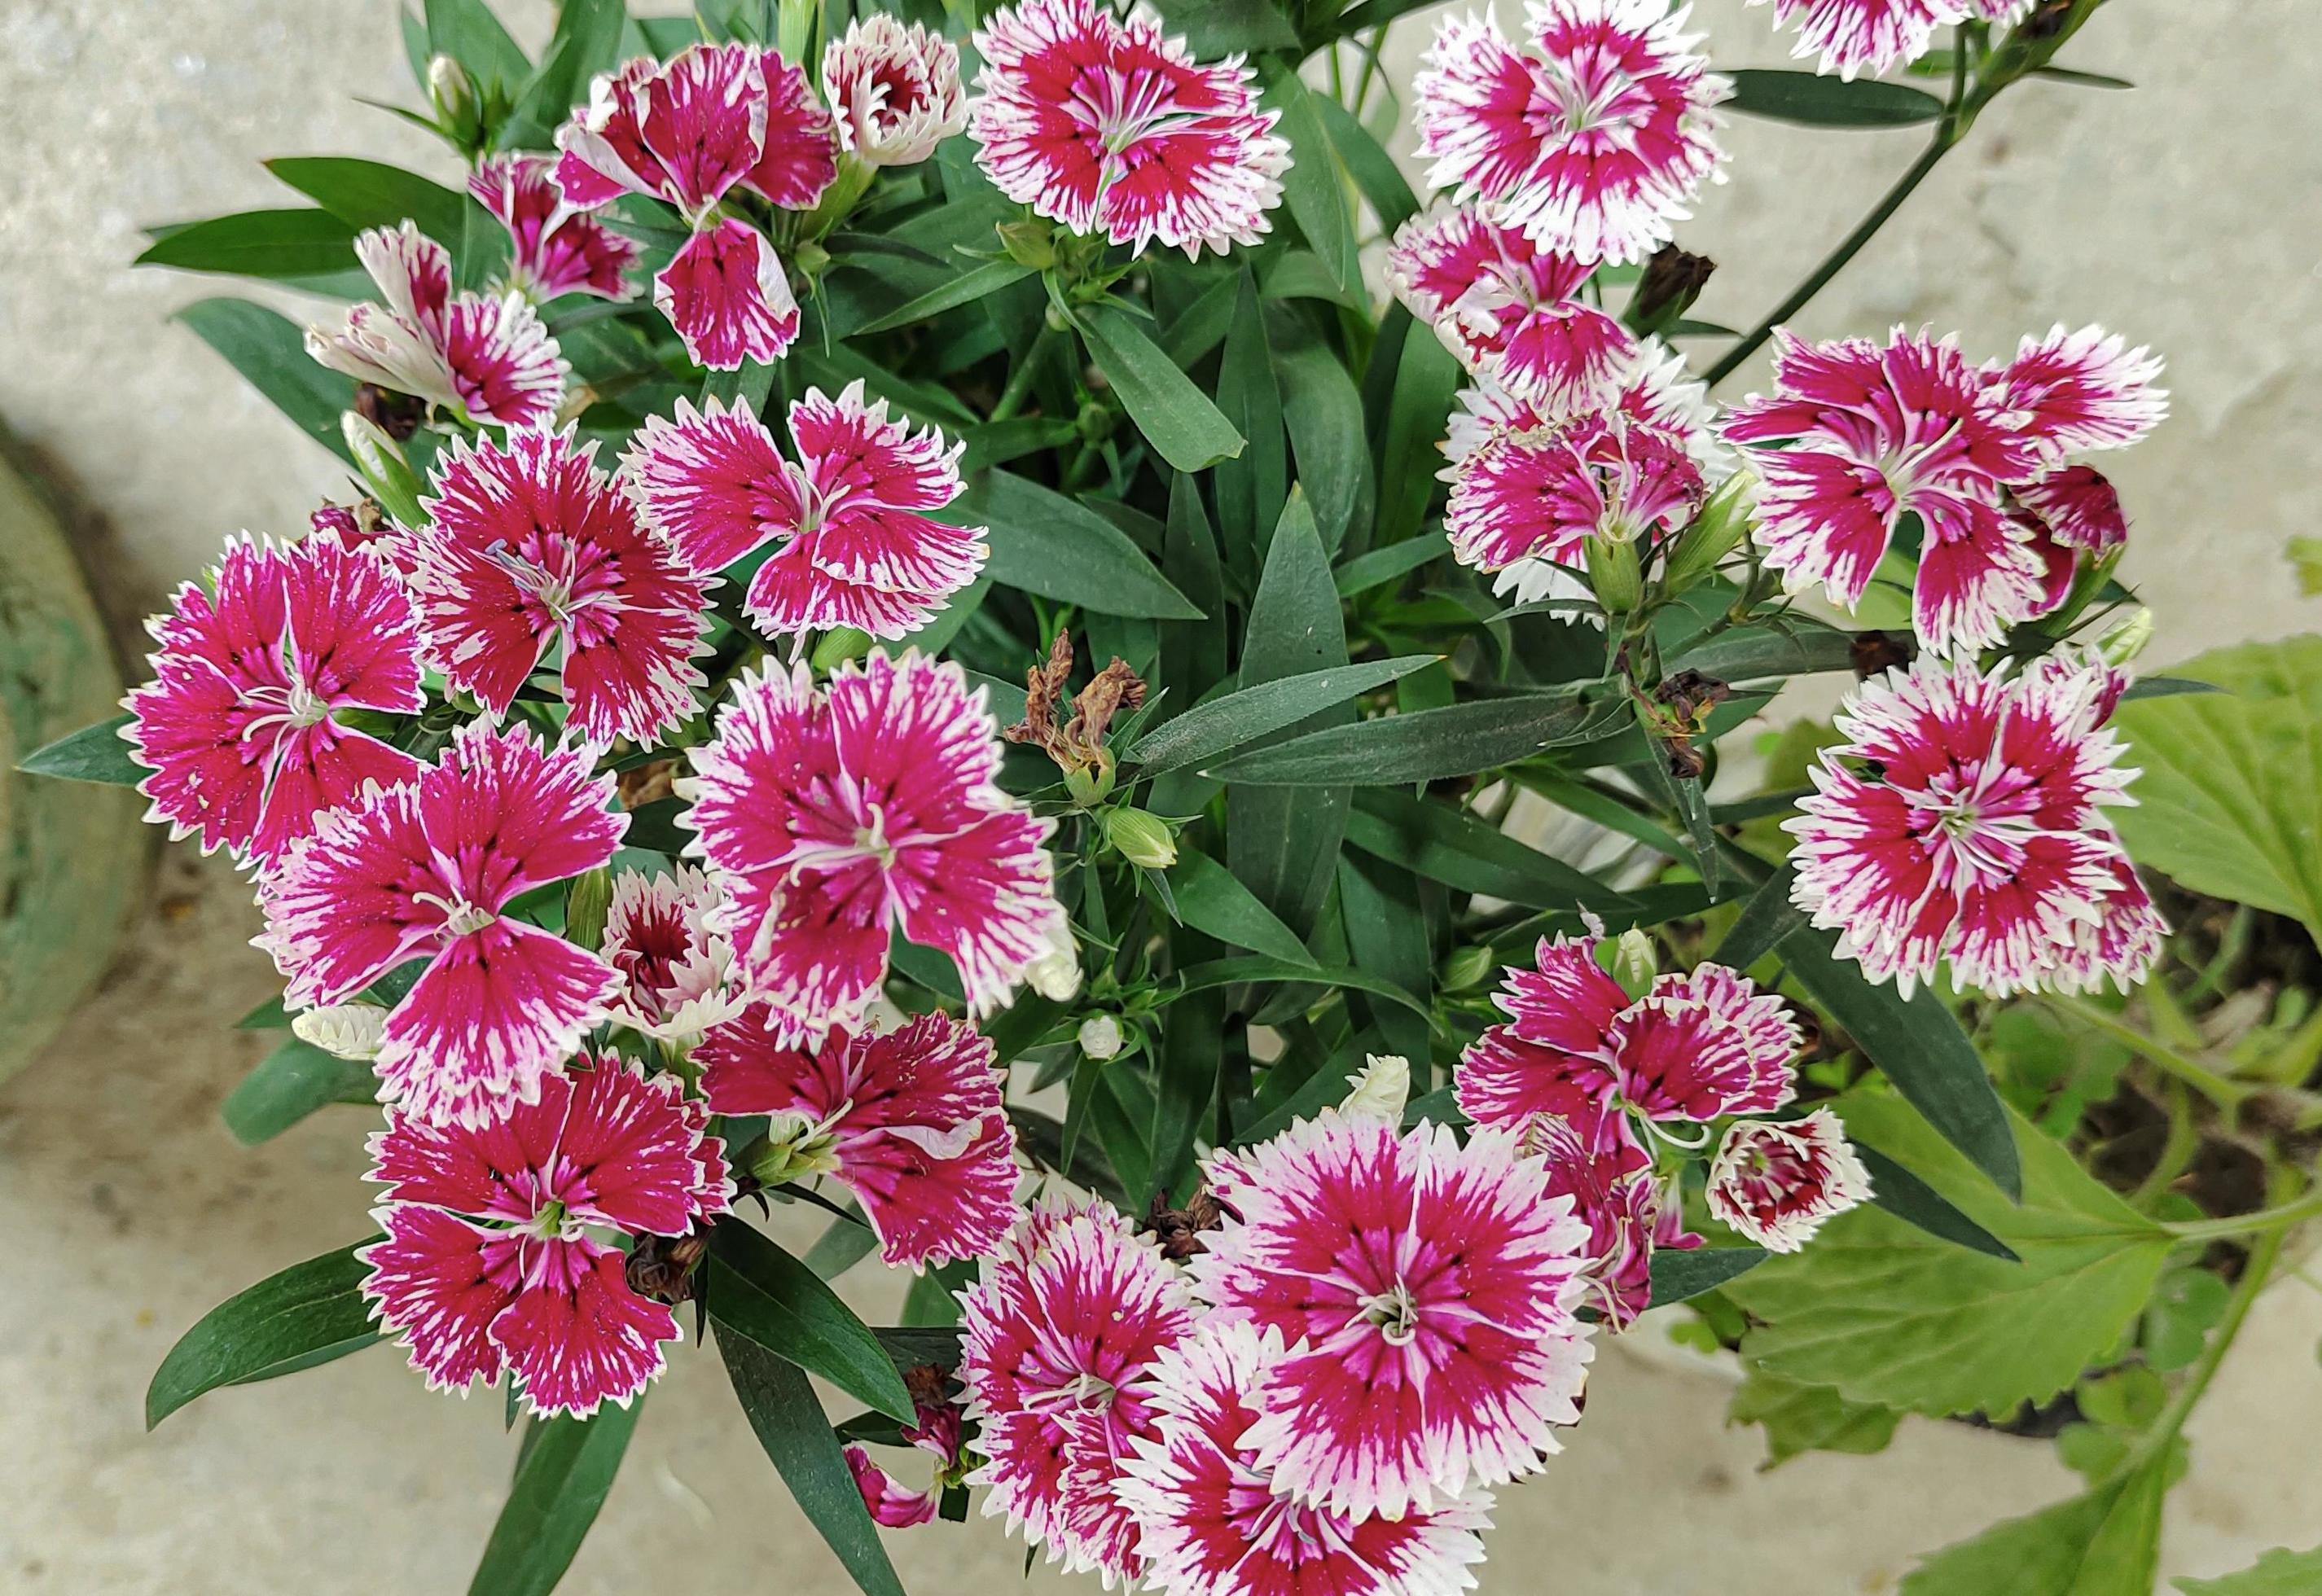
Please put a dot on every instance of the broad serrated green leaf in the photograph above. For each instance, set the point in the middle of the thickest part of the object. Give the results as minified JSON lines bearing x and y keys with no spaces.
{"x":2230,"y":800}
{"x":560,"y":1481}
{"x":288,"y":1084}
{"x":94,"y":753}
{"x":2279,"y":1573}
{"x":1398,"y":750}
{"x":270,"y":352}
{"x":1225,"y":723}
{"x":1213,"y":902}
{"x":1176,"y":416}
{"x":285,"y":243}
{"x":309,"y":1314}
{"x":2105,"y":1542}
{"x":1810,"y":99}
{"x":372,"y":194}
{"x":1284,"y":844}
{"x":796,"y":1435}
{"x":764,"y":1293}
{"x":1444,"y":845}
{"x":1800,"y":1419}
{"x":1886,"y":1314}
{"x":1043,"y":542}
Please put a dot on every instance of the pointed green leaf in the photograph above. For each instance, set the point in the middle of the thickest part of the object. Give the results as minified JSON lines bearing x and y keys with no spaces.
{"x":976,"y":282}
{"x":1914,"y":1202}
{"x":372,"y":194}
{"x":309,"y":1314}
{"x":1888,"y":1314}
{"x":1812,"y":100}
{"x":587,"y":42}
{"x":796,"y":1434}
{"x":1440,"y":842}
{"x":1678,"y":1275}
{"x":567,"y":1468}
{"x":1323,"y":410}
{"x":1212,"y":901}
{"x":1228,"y":722}
{"x":1397,"y":750}
{"x":775,"y":1301}
{"x":1043,"y":542}
{"x":1311,"y":189}
{"x":1251,"y":487}
{"x":94,"y":753}
{"x":1227,"y":973}
{"x":290,"y":243}
{"x":1418,"y":411}
{"x":270,"y":352}
{"x":2105,"y":1542}
{"x":288,"y":1084}
{"x":1374,"y":170}
{"x":1176,"y":416}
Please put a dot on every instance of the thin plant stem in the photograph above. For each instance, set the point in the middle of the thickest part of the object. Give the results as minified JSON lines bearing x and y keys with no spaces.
{"x":1019,"y":381}
{"x":2254,"y":1275}
{"x":2225,"y":1093}
{"x":2266,"y":1222}
{"x":1369,"y":71}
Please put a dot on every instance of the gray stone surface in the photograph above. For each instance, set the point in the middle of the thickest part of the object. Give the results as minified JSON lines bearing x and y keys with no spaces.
{"x":2184,"y":213}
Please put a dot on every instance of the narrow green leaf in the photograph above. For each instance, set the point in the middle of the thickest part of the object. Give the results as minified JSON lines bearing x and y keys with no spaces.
{"x":291,"y":243}
{"x":94,"y":753}
{"x":1323,"y":410}
{"x":968,"y":286}
{"x":1043,"y":542}
{"x":1311,"y":189}
{"x":1766,"y":919}
{"x":770,"y":1297}
{"x":2166,"y":686}
{"x":1193,"y":652}
{"x":1409,"y":451}
{"x":1228,"y":722}
{"x":1914,"y":1202}
{"x":268,"y":1016}
{"x":1212,"y":28}
{"x":1212,"y":901}
{"x":1812,"y":100}
{"x":1227,"y":973}
{"x":1678,"y":1275}
{"x":587,"y":42}
{"x":1185,"y":1083}
{"x":2082,"y":79}
{"x":288,"y":1084}
{"x":1176,"y":416}
{"x":1791,"y":647}
{"x":1394,"y":750}
{"x":1381,"y":566}
{"x":1386,"y":921}
{"x":1438,"y":842}
{"x":567,"y":1468}
{"x":309,"y":1313}
{"x":1251,"y":487}
{"x":796,"y":1435}
{"x":372,"y":194}
{"x":270,"y":352}
{"x":1374,"y":170}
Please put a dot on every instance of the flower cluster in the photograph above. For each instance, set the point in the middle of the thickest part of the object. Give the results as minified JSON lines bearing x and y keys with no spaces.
{"x":1851,"y":36}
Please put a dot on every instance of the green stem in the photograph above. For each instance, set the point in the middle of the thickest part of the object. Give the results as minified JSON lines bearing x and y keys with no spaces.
{"x":1370,"y":70}
{"x":2267,"y":1222}
{"x":2180,"y":1407}
{"x":1019,"y":381}
{"x":2225,"y":1093}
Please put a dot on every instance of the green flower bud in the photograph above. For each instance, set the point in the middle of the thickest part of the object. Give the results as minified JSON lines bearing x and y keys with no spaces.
{"x":1140,"y":838}
{"x":1090,"y":784}
{"x":1032,"y":243}
{"x":1613,"y":574}
{"x":1467,"y":967}
{"x":453,"y":92}
{"x":1715,"y":533}
{"x":1634,"y":962}
{"x":1099,"y":1037}
{"x":386,"y":470}
{"x":585,"y":904}
{"x":838,"y":645}
{"x":2125,"y":640}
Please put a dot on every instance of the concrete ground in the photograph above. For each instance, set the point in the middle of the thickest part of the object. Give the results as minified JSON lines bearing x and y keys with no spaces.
{"x":2184,"y":213}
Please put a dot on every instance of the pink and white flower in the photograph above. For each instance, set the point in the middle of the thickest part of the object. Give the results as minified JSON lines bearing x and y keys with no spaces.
{"x":677,"y":972}
{"x":1856,"y":437}
{"x":1101,"y":122}
{"x":2120,"y":945}
{"x":1775,"y":1181}
{"x":1428,"y":1291}
{"x":1698,"y":1046}
{"x":1508,"y":308}
{"x":2078,"y":509}
{"x":856,"y":547}
{"x":1590,"y":134}
{"x":937,"y":1430}
{"x":425,"y":870}
{"x":487,"y":1266}
{"x":1593,"y":1159}
{"x":530,"y":548}
{"x":238,"y":725}
{"x":1963,"y":819}
{"x":1212,"y":1522}
{"x":1055,"y":1341}
{"x":895,"y":89}
{"x":1853,"y":35}
{"x":836,"y":814}
{"x":488,"y":359}
{"x":557,"y":249}
{"x":910,"y":1121}
{"x":2073,"y":391}
{"x":689,"y":132}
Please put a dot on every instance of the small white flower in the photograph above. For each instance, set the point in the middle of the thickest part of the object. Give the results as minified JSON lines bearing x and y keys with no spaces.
{"x":1100,"y":1037}
{"x":344,"y":1030}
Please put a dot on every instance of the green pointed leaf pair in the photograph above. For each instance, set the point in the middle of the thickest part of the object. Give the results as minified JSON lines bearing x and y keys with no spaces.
{"x":1230,"y":722}
{"x":309,"y":1314}
{"x":1043,"y":542}
{"x":94,"y":753}
{"x":561,"y":1480}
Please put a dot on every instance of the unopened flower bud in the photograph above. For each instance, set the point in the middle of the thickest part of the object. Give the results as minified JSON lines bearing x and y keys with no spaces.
{"x":1099,"y":1037}
{"x":344,"y":1030}
{"x":458,"y":112}
{"x":1715,"y":533}
{"x":585,"y":904}
{"x":1056,"y":974}
{"x":1140,"y":838}
{"x":1380,"y":1089}
{"x":1090,"y":784}
{"x":1672,"y":280}
{"x":1032,"y":243}
{"x":1613,"y":575}
{"x":1634,"y":962}
{"x":1467,"y":967}
{"x":386,"y":470}
{"x":2124,"y":641}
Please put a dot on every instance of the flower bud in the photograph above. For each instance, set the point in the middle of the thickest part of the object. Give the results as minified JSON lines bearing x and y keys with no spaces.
{"x":1613,"y":577}
{"x":1090,"y":784}
{"x":453,"y":92}
{"x":1715,"y":533}
{"x":1467,"y":967}
{"x":1672,"y":280}
{"x":1099,"y":1037}
{"x":1140,"y":838}
{"x":585,"y":904}
{"x":345,"y":1030}
{"x":838,"y":645}
{"x":2123,"y":642}
{"x":386,"y":470}
{"x":1056,"y":974}
{"x":1029,"y":242}
{"x":1380,"y":1089}
{"x":1634,"y":962}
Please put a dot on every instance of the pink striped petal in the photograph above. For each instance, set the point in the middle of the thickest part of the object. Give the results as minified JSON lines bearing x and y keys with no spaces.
{"x":715,"y":482}
{"x":1212,"y":1523}
{"x":439,"y":1281}
{"x":799,"y":154}
{"x":1104,"y":123}
{"x":910,"y":1120}
{"x":556,"y":248}
{"x":1852,"y":36}
{"x":685,"y":130}
{"x":1428,"y":1290}
{"x":1590,"y":134}
{"x":1776,"y":1183}
{"x":889,"y":1503}
{"x":1594,"y":1160}
{"x":2084,"y":390}
{"x":2076,"y":508}
{"x":603,"y":149}
{"x":577,"y":1337}
{"x":676,"y":969}
{"x":728,"y":298}
{"x":2121,"y":945}
{"x":1704,"y":1044}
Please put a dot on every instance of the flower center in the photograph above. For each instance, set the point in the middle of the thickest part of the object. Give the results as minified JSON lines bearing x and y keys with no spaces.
{"x":461,"y":918}
{"x":1394,"y":1313}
